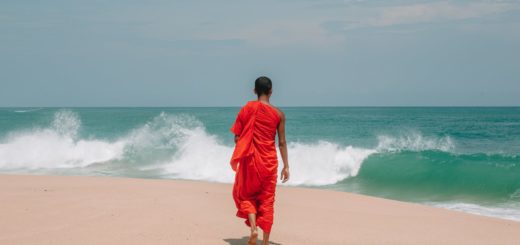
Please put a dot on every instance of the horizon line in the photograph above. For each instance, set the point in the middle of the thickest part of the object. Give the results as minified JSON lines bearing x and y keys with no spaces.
{"x":286,"y":106}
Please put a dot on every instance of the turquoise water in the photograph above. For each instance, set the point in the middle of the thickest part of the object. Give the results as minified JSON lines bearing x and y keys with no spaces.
{"x":459,"y":158}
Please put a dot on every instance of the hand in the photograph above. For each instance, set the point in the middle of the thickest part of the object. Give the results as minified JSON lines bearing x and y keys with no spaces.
{"x":285,"y":174}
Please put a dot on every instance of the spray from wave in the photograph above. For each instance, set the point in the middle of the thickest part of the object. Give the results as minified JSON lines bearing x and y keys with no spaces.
{"x":55,"y":147}
{"x":178,"y":146}
{"x":414,"y":142}
{"x":195,"y":154}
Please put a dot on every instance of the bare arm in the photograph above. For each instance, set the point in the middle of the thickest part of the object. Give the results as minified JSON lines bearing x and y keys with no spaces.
{"x":282,"y":145}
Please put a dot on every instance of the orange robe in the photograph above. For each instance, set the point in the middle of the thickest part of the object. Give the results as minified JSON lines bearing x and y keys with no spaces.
{"x":255,"y":162}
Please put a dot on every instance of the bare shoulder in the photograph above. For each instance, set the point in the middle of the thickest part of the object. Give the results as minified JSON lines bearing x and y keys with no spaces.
{"x":280,"y":112}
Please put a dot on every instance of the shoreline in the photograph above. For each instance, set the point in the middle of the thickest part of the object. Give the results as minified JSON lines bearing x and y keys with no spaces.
{"x":55,"y":209}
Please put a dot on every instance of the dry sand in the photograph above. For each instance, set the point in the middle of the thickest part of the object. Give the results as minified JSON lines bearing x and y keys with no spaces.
{"x":76,"y":210}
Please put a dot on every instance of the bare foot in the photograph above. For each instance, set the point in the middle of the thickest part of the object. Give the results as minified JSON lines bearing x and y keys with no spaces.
{"x":253,"y":238}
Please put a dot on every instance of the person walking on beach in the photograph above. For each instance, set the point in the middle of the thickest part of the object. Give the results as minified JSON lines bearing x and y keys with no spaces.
{"x":255,"y":161}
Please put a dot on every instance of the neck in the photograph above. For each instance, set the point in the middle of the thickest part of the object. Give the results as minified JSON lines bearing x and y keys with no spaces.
{"x":263,"y":98}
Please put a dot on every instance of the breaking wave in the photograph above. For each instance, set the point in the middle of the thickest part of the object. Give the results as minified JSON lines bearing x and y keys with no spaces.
{"x":178,"y":146}
{"x":407,"y":166}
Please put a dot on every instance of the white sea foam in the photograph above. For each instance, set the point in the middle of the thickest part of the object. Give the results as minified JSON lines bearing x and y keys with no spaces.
{"x":193,"y":153}
{"x":324,"y":163}
{"x":55,"y":146}
{"x":28,"y":110}
{"x":504,"y":211}
{"x":202,"y":157}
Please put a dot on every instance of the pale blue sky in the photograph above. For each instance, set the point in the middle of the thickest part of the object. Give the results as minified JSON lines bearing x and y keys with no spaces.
{"x":208,"y":53}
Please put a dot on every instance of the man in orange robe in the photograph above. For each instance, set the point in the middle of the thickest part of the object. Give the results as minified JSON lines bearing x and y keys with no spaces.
{"x":255,"y":161}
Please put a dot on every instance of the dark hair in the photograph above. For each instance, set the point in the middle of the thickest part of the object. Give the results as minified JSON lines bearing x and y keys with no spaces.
{"x":263,"y":85}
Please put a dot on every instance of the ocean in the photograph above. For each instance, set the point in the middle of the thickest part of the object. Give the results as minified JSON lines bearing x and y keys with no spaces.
{"x":460,"y":158}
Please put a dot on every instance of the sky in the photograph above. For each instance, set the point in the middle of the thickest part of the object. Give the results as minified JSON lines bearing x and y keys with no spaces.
{"x":208,"y":53}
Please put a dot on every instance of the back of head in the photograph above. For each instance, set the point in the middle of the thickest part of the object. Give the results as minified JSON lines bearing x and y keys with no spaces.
{"x":263,"y":85}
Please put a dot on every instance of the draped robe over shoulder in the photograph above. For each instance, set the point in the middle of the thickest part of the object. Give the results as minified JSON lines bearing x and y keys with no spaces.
{"x":255,"y":162}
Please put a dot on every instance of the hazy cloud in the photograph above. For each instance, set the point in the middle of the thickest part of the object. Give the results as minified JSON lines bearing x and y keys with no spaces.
{"x":437,"y":11}
{"x":284,"y":33}
{"x":207,"y":53}
{"x":413,"y":15}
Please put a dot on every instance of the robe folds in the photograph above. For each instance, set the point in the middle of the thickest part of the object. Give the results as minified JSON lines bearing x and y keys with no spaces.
{"x":255,"y":162}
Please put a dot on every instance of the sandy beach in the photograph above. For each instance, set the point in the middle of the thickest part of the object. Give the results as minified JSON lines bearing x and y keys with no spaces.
{"x":107,"y":210}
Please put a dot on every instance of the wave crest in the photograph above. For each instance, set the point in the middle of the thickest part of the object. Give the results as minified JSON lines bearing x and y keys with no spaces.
{"x":173,"y":146}
{"x":414,"y":142}
{"x":179,"y":146}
